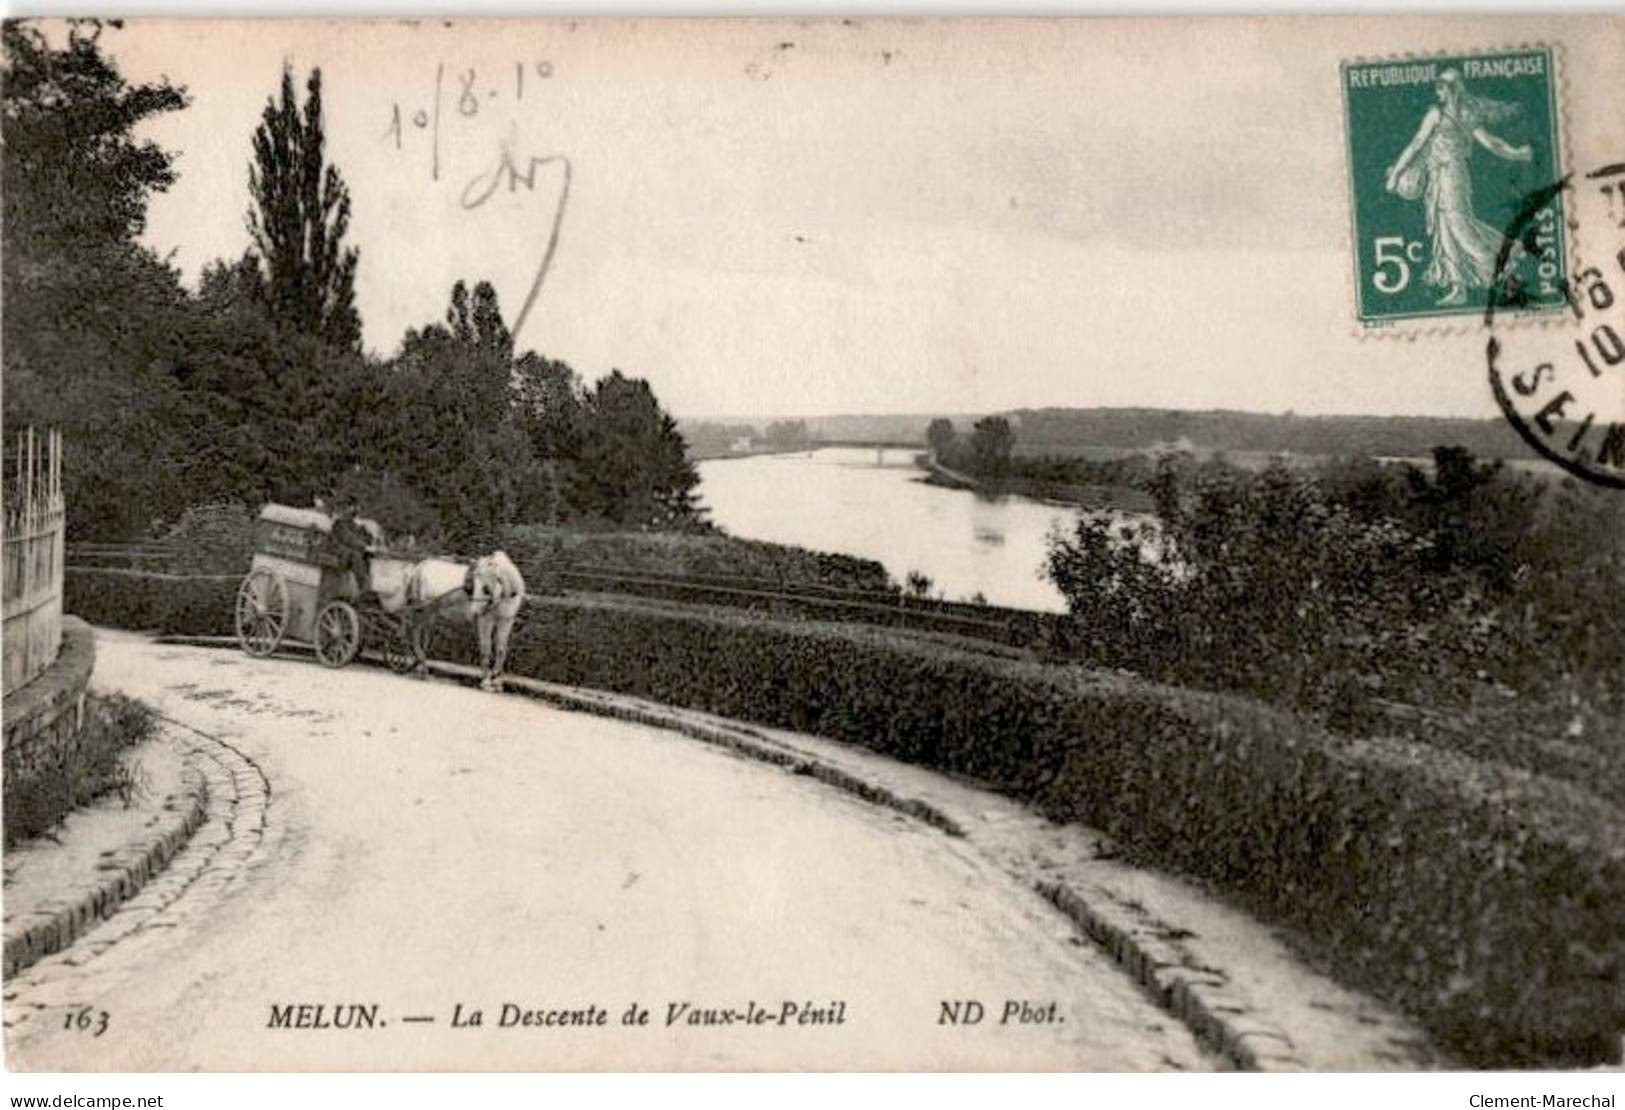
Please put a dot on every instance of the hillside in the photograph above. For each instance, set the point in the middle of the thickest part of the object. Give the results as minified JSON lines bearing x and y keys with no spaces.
{"x":1062,"y":430}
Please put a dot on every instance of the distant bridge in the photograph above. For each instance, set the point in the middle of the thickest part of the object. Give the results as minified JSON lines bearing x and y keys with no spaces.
{"x":875,"y":444}
{"x":878,"y":446}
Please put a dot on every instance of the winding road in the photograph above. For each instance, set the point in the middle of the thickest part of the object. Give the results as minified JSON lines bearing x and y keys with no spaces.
{"x":405,"y":854}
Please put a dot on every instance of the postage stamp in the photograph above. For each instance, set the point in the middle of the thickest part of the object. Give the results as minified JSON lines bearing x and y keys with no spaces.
{"x":1442,"y":151}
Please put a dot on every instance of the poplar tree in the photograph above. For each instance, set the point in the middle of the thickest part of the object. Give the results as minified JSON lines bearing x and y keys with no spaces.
{"x":299,"y":217}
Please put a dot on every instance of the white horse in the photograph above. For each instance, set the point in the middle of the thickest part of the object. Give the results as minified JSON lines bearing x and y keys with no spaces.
{"x":485,"y":595}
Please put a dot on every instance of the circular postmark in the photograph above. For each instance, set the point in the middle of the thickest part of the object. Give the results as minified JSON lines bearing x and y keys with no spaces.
{"x":1563,"y":390}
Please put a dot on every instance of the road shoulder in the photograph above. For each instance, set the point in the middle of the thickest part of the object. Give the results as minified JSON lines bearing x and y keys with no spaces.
{"x":1233,"y":981}
{"x":61,"y":885}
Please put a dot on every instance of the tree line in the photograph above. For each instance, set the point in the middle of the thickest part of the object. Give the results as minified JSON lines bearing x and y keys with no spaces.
{"x":255,"y":386}
{"x":1061,"y":430}
{"x":985,"y":453}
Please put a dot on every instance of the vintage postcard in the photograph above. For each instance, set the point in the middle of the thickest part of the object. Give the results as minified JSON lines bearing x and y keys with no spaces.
{"x":842,"y":544}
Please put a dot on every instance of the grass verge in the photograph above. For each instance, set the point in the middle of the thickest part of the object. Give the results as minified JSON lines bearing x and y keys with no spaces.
{"x":68,"y":776}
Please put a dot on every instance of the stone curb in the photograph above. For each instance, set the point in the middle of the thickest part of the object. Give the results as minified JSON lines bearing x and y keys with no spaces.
{"x":1200,"y":1001}
{"x":60,"y":923}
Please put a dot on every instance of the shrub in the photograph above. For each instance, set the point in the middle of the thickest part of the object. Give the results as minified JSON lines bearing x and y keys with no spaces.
{"x":1355,"y":591}
{"x":192,"y":605}
{"x":211,"y":539}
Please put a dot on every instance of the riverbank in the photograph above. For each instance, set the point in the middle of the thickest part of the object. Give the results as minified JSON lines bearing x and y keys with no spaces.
{"x":1061,"y":492}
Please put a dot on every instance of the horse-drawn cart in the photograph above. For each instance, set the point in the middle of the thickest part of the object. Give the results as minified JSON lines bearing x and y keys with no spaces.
{"x":300,"y":589}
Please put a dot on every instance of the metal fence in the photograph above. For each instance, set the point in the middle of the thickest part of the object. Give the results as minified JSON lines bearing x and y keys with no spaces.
{"x":34,"y":517}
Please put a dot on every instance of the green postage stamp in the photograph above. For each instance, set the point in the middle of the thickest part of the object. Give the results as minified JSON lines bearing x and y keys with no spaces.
{"x":1445,"y":154}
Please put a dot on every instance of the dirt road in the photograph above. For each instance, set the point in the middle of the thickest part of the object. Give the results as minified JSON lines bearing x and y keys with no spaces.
{"x":425,"y":851}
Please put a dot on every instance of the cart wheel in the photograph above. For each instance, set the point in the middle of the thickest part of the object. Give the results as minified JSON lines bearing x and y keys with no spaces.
{"x":338,"y":634}
{"x":397,"y":646}
{"x":262,"y":612}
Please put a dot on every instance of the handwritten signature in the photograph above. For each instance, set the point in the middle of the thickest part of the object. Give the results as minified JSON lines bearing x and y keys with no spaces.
{"x":484,"y":185}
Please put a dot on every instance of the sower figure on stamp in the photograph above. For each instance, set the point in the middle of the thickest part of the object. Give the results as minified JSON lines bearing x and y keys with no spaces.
{"x":1433,"y":167}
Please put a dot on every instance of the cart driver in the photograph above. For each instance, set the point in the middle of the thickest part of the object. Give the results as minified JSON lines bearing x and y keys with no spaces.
{"x":351,"y":539}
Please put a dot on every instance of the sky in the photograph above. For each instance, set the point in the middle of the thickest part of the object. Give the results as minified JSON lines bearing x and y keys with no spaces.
{"x":777,"y":218}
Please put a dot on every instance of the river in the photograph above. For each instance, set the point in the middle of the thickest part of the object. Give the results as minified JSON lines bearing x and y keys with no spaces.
{"x":857,"y":501}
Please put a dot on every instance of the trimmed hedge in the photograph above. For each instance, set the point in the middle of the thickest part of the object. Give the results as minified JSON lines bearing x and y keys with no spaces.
{"x":1484,"y":900}
{"x":202,"y":605}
